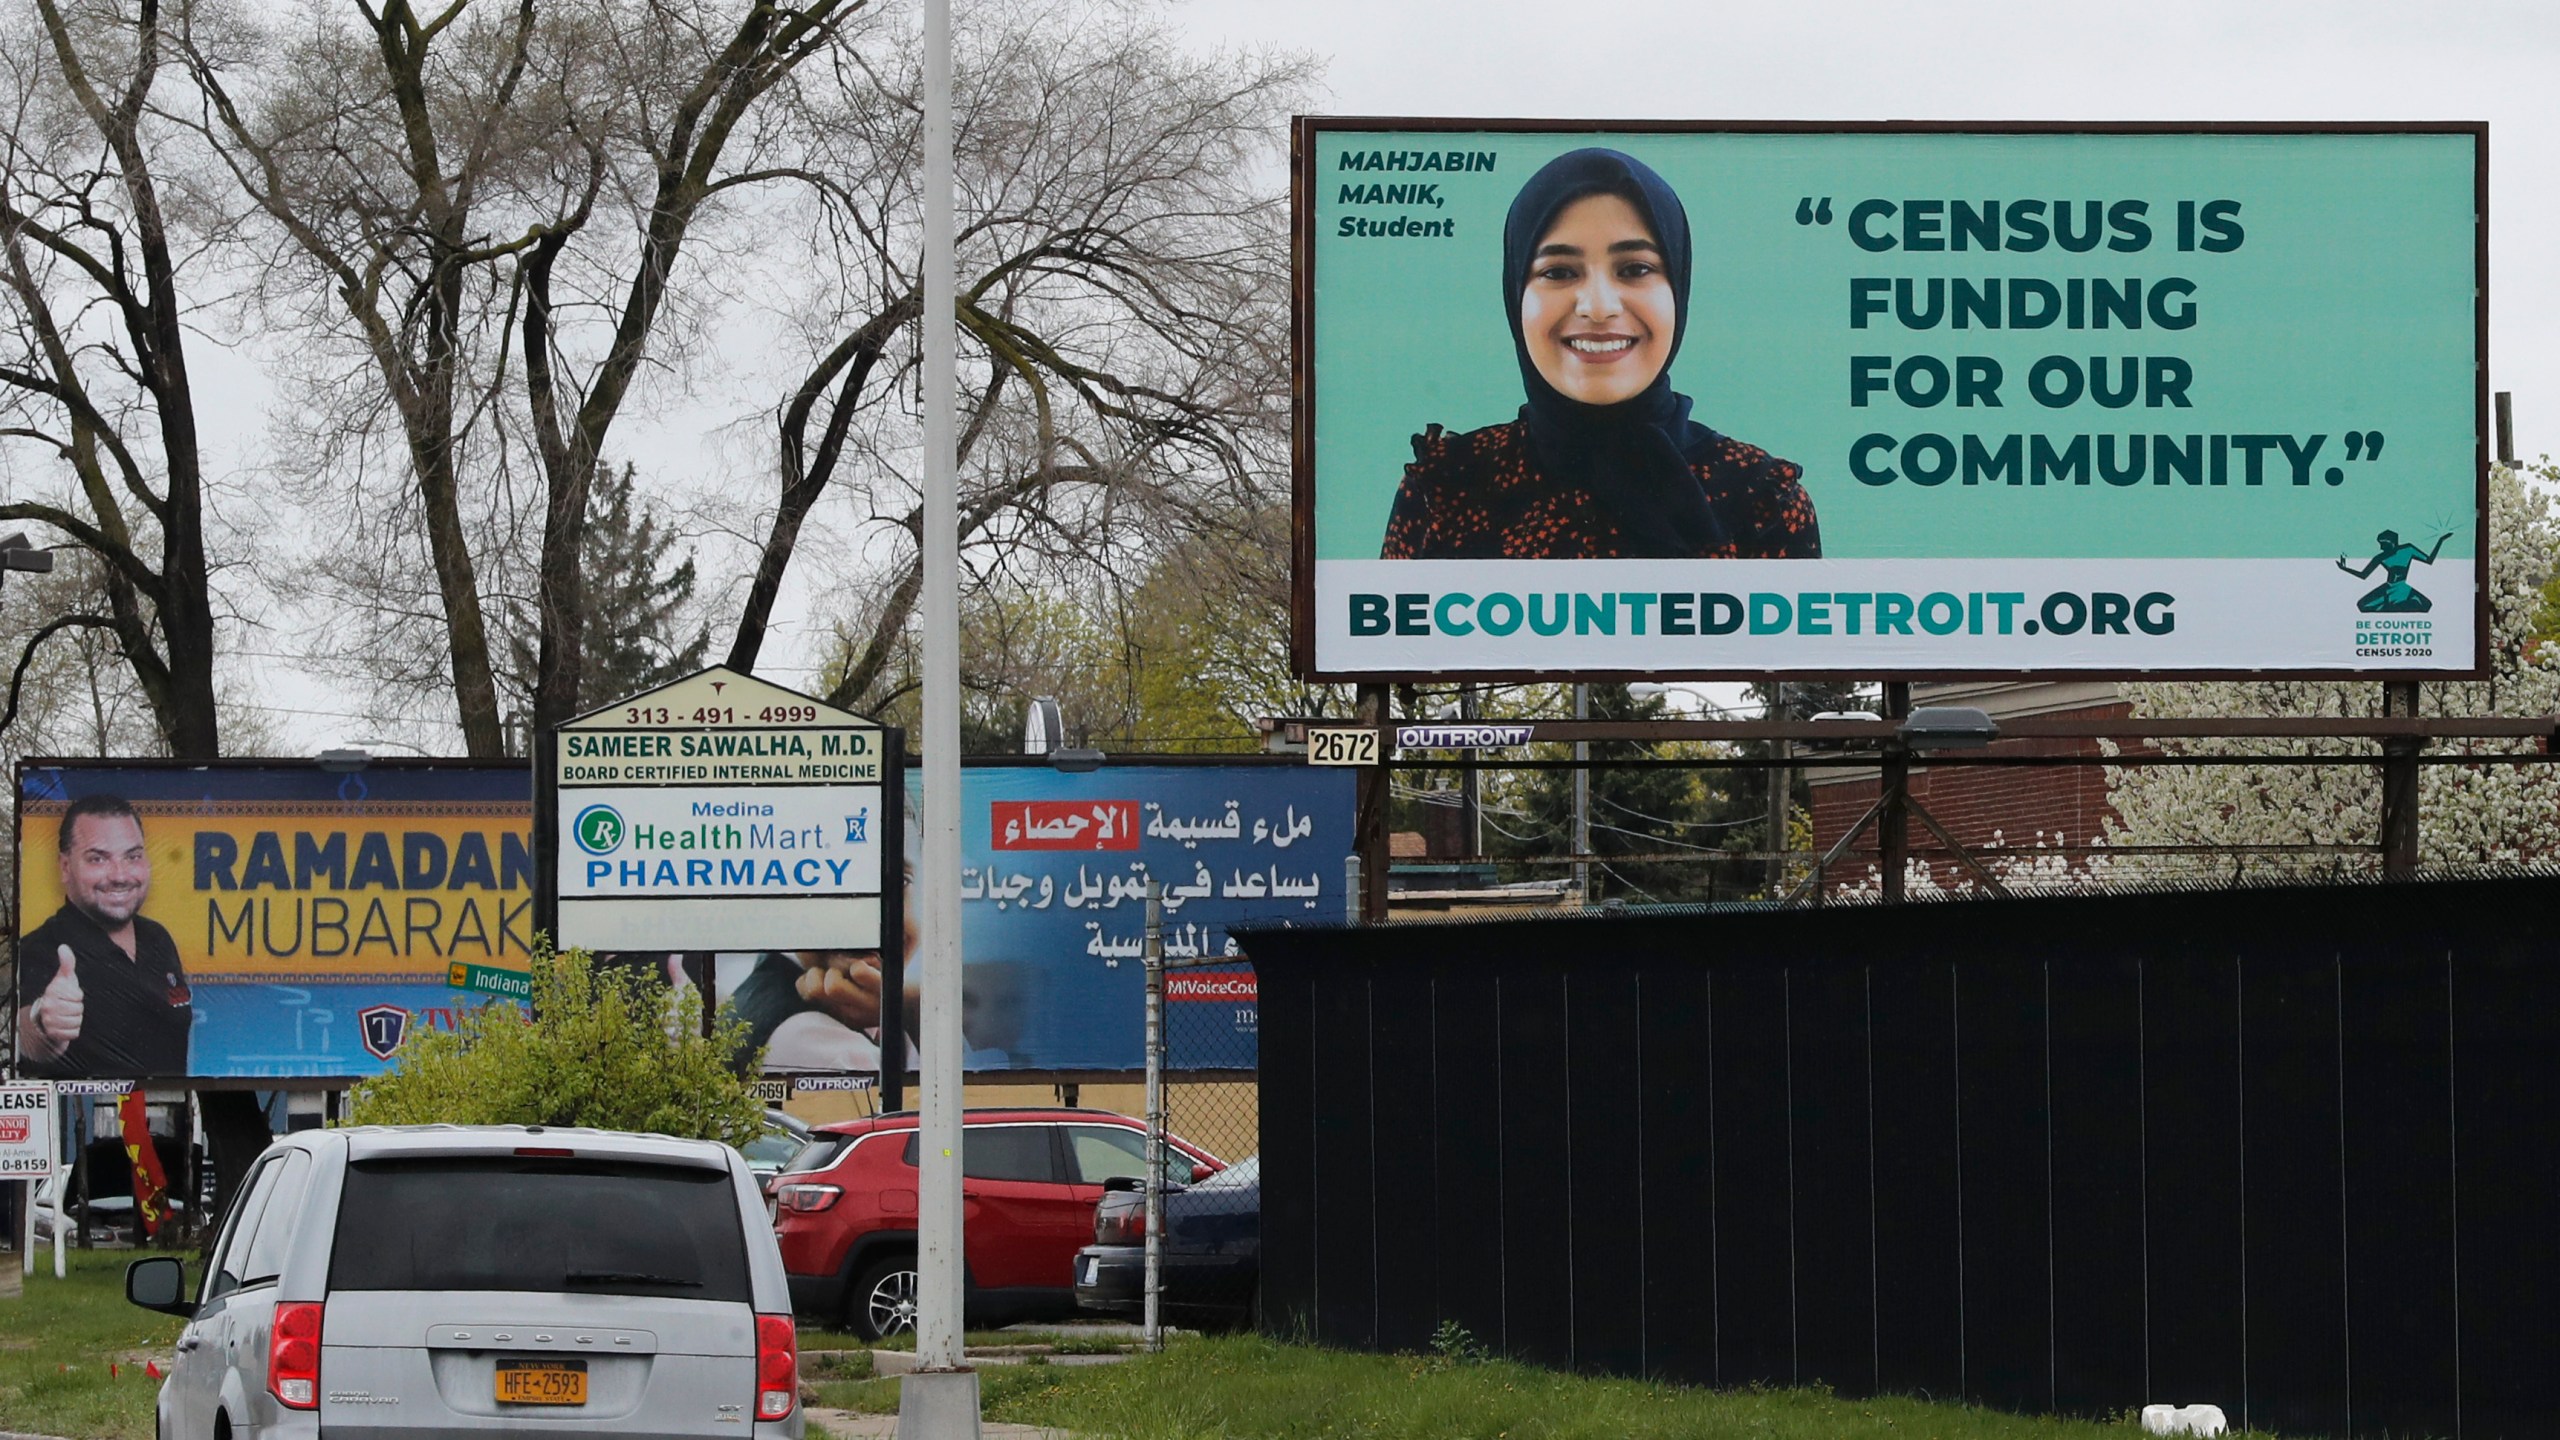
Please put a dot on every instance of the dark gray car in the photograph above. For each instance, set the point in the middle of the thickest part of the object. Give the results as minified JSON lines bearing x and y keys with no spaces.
{"x":403,"y":1283}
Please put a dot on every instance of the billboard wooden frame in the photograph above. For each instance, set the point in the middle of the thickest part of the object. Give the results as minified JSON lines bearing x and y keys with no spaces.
{"x":1302,"y":181}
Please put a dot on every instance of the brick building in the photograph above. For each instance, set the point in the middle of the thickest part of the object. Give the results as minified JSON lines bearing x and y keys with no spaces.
{"x":1987,"y":809}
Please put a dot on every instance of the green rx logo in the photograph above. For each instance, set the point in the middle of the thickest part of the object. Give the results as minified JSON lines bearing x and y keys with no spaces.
{"x":599,"y":829}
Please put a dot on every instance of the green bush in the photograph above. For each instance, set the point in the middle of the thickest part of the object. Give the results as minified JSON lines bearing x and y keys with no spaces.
{"x":608,"y":1046}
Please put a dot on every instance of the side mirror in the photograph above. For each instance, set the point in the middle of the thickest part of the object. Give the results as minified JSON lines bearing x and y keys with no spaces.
{"x":157,"y":1284}
{"x":1200,"y":1172}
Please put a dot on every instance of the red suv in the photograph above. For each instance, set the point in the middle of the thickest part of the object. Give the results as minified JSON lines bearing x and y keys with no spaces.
{"x":846,"y":1212}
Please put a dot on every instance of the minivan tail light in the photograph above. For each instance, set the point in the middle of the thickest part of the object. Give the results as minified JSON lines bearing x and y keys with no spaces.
{"x":547,"y":1152}
{"x":777,"y":1367}
{"x":293,"y":1356}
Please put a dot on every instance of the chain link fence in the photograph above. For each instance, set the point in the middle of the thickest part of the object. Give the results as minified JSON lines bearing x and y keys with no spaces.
{"x":1212,"y":1035}
{"x":1203,"y":1033}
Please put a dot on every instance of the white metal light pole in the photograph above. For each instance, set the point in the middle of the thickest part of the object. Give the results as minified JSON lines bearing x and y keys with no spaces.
{"x":940,"y":1400}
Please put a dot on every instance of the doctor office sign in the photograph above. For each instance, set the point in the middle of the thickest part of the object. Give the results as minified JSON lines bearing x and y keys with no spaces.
{"x":720,"y":812}
{"x":1889,"y":399}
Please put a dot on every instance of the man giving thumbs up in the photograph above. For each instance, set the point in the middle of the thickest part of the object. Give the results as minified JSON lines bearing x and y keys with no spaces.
{"x":100,"y":991}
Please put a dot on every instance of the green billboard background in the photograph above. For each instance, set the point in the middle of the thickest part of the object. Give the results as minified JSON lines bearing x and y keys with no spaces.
{"x":2347,"y":308}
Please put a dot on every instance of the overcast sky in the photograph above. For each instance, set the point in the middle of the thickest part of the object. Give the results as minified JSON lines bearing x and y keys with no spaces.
{"x":1990,"y":60}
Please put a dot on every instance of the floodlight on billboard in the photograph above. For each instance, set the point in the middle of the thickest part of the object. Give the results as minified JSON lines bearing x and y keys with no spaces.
{"x":1889,"y":399}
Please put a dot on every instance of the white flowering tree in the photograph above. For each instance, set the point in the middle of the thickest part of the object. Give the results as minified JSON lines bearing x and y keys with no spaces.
{"x":2330,"y":814}
{"x":2468,"y":814}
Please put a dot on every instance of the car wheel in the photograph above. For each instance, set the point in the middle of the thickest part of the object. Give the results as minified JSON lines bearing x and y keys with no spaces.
{"x":883,"y":1302}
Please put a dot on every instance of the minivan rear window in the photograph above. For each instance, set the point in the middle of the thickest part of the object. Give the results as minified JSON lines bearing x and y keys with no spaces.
{"x":572,"y":1226}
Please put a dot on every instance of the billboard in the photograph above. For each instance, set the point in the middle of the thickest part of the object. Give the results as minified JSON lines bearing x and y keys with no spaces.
{"x":259,"y":920}
{"x":1890,"y":400}
{"x":1053,"y":907}
{"x":270,"y":919}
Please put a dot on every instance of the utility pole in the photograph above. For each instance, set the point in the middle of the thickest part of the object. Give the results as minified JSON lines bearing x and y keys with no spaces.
{"x":940,"y":1400}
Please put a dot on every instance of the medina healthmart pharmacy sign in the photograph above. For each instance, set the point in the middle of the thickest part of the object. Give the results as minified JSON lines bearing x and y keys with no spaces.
{"x":720,"y":812}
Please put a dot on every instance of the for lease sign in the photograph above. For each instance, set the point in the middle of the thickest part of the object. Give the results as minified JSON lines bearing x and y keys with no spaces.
{"x":26,"y":1131}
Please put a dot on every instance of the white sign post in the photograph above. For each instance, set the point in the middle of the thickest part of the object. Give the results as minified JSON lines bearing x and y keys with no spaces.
{"x":29,"y":1148}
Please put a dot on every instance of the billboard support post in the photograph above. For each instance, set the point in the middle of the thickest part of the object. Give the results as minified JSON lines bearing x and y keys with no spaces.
{"x":1781,"y":788}
{"x":1893,"y":819}
{"x":2400,"y":785}
{"x":1369,"y":809}
{"x":1582,"y":796}
{"x":62,"y":1183}
{"x":893,"y":925}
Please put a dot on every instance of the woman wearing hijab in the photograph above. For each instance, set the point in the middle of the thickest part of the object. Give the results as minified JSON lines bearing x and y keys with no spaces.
{"x":1604,"y":461}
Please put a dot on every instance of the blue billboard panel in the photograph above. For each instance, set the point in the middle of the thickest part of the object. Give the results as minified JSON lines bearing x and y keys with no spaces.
{"x":1053,"y":902}
{"x":1053,"y":919}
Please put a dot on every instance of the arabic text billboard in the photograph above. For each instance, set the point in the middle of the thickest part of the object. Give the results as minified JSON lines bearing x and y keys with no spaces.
{"x":1889,"y":399}
{"x":1053,"y":913}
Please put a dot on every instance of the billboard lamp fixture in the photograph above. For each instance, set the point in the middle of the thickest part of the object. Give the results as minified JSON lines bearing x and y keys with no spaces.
{"x":1076,"y":760}
{"x":1947,"y":727}
{"x":342,"y":760}
{"x":18,"y":553}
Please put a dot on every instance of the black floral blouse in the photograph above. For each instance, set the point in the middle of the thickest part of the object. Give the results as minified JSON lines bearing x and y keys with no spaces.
{"x":1481,"y":495}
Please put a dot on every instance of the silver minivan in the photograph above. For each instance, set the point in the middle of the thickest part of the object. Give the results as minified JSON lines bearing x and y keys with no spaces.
{"x":399,"y":1283}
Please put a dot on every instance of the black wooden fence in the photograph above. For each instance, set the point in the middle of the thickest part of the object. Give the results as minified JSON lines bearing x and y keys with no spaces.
{"x":2294,"y":1151}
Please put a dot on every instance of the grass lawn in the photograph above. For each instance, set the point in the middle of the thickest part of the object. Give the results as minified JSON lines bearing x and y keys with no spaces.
{"x":1235,"y":1388}
{"x":1248,"y":1388}
{"x":82,"y":1323}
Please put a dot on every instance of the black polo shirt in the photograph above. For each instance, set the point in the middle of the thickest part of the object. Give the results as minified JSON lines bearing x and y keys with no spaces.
{"x":138,"y":1010}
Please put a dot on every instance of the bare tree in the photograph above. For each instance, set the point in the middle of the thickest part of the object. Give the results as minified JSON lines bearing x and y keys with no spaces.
{"x":689,"y":143}
{"x":383,"y":147}
{"x":491,"y":204}
{"x":97,"y":411}
{"x":1123,"y":308}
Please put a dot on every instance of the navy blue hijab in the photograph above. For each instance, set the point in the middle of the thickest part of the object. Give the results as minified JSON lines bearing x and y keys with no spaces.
{"x":1634,"y":457}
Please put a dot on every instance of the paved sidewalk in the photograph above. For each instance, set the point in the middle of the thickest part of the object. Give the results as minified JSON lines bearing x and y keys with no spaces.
{"x":847,"y":1425}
